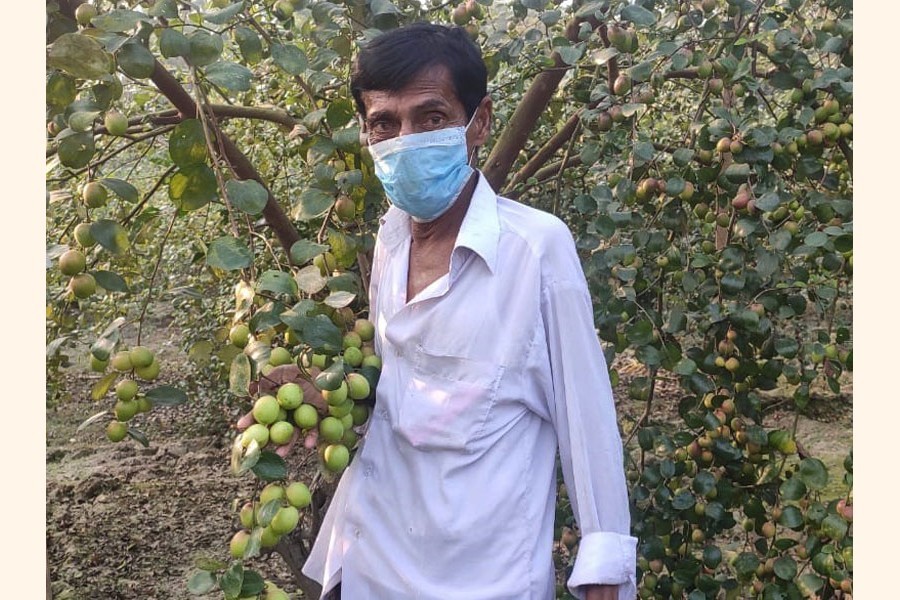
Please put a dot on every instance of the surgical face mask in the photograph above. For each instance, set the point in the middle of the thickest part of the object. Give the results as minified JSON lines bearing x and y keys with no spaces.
{"x":423,"y":173}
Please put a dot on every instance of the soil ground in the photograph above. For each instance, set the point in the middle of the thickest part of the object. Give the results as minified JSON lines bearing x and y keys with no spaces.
{"x":128,"y":522}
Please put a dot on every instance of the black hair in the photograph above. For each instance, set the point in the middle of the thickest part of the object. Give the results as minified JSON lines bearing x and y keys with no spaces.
{"x":393,"y":59}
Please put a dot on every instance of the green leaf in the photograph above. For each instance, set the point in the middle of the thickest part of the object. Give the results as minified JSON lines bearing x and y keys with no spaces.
{"x":844,"y":242}
{"x":249,"y":44}
{"x":644,"y":151}
{"x":640,"y":333}
{"x":239,"y":375}
{"x":745,"y":564}
{"x":600,"y":57}
{"x":785,"y":568}
{"x":111,"y":236}
{"x":683,"y":500}
{"x":230,"y":76}
{"x":312,"y":203}
{"x":816,"y":239}
{"x":173,"y":43}
{"x":139,"y":436}
{"x":321,"y":149}
{"x":304,"y":250}
{"x":835,"y":527}
{"x":205,"y":48}
{"x":60,"y":90}
{"x":167,"y":395}
{"x":135,"y":60}
{"x":290,"y":58}
{"x":187,"y":143}
{"x":786,"y":347}
{"x":809,"y":584}
{"x":570,"y":54}
{"x":310,"y":280}
{"x":631,"y":109}
{"x":248,"y":195}
{"x":121,"y":188}
{"x":232,"y":580}
{"x":100,"y":389}
{"x":638,"y":15}
{"x":768,"y":202}
{"x":792,"y":489}
{"x":813,"y":473}
{"x":193,"y":187}
{"x":277,"y":282}
{"x":76,"y":149}
{"x":253,"y":584}
{"x":254,"y":543}
{"x":80,"y":56}
{"x":682,"y":156}
{"x":270,"y":467}
{"x":339,"y":299}
{"x":791,"y":517}
{"x":110,"y":281}
{"x":200,"y":353}
{"x":164,"y":8}
{"x":119,"y":20}
{"x":704,"y":482}
{"x":339,"y":113}
{"x":685,"y":366}
{"x":220,"y":17}
{"x":228,"y":253}
{"x":737,"y":172}
{"x":323,"y":335}
{"x":83,"y":120}
{"x":343,"y":247}
{"x":383,"y":7}
{"x":201,"y":582}
{"x":268,"y":511}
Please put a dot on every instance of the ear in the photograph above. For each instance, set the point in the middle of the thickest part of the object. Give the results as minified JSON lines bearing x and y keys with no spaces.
{"x":363,"y":132}
{"x":481,"y":127}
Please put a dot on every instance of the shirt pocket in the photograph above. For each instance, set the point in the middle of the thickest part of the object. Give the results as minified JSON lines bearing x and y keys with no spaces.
{"x":447,"y":401}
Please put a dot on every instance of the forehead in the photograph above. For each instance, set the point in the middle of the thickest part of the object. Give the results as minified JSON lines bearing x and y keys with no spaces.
{"x":432,"y":86}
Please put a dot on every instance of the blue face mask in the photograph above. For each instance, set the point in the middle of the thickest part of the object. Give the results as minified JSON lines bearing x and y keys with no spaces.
{"x":423,"y":173}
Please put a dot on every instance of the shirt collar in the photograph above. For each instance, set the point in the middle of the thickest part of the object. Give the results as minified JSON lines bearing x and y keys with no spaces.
{"x":479,"y":231}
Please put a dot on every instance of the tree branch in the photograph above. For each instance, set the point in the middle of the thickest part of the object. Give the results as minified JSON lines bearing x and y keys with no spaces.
{"x":547,"y":151}
{"x":527,"y":113}
{"x":176,"y":94}
{"x":274,"y":215}
{"x":221,"y":111}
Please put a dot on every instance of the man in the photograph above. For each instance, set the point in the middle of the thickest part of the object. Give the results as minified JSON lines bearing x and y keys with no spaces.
{"x":490,"y":362}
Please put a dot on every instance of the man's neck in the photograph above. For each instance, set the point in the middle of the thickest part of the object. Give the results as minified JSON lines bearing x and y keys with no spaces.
{"x":448,"y":224}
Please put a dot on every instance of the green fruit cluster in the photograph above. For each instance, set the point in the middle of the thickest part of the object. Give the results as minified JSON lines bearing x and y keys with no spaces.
{"x":72,"y":264}
{"x":138,"y":362}
{"x":274,"y":514}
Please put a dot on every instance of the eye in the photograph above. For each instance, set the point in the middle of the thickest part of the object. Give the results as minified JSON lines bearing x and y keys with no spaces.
{"x":435,"y":121}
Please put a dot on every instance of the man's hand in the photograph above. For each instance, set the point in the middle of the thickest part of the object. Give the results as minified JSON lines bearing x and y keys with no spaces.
{"x":601,"y":592}
{"x":269,"y":384}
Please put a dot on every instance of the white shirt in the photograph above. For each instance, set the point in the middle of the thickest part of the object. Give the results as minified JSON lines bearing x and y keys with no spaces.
{"x":452,"y":493}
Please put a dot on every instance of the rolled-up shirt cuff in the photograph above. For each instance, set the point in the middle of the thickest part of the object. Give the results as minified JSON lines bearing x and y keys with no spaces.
{"x":605,"y":558}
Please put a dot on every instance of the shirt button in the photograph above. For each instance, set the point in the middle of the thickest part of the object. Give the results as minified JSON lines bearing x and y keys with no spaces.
{"x":357,"y":533}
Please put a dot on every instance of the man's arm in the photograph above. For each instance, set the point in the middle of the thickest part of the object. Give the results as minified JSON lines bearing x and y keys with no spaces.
{"x":583,"y":414}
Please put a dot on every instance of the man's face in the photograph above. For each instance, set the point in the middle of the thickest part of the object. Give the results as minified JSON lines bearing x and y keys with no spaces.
{"x":427,"y":103}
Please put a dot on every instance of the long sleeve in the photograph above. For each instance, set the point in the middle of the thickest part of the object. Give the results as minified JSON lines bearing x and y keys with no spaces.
{"x":583,"y":414}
